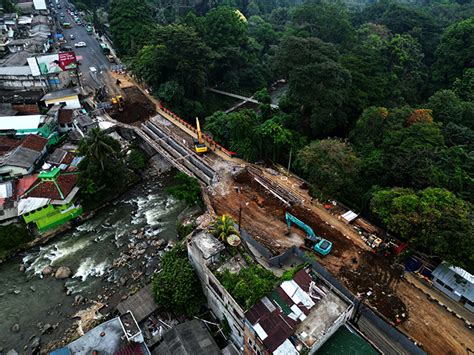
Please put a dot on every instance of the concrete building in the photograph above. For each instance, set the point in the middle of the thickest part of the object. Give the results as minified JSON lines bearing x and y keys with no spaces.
{"x":300,"y":315}
{"x":43,"y":125}
{"x":455,"y":282}
{"x":24,"y":102}
{"x":20,"y":78}
{"x":204,"y":252}
{"x":69,"y":98}
{"x":120,"y":335}
{"x":188,"y":338}
{"x":22,"y":159}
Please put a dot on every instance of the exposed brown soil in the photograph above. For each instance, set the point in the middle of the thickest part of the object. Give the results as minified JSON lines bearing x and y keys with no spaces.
{"x":137,"y":107}
{"x":378,"y":276}
{"x":263,"y":216}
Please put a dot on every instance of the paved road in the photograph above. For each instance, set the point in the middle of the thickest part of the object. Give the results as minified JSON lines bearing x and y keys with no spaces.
{"x":92,"y":55}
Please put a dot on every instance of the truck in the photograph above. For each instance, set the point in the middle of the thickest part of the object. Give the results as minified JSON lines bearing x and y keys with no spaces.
{"x":107,"y":52}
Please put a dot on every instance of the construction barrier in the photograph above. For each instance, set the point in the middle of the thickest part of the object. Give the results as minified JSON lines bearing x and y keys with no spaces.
{"x":211,"y":143}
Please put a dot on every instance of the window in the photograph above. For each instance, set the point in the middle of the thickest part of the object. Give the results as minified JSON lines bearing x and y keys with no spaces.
{"x":449,"y":288}
{"x":438,"y":281}
{"x":215,"y":288}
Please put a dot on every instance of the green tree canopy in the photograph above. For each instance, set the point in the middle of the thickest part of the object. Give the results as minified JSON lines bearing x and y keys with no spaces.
{"x":330,"y":166}
{"x":455,"y":51}
{"x":249,"y":285}
{"x":432,"y":219}
{"x":130,"y":24}
{"x":317,"y":81}
{"x":103,"y":171}
{"x":176,"y":287}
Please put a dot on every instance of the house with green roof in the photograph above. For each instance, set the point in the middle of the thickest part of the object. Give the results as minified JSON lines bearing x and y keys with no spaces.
{"x":51,"y":201}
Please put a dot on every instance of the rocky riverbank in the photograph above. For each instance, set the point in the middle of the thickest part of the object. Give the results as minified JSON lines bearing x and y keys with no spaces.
{"x":78,"y":278}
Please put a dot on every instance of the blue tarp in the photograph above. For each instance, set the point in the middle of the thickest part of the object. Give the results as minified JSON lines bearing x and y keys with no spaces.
{"x":62,"y":351}
{"x":59,"y":35}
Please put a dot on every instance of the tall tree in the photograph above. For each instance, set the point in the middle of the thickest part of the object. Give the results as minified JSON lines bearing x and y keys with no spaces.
{"x":330,"y":166}
{"x":317,"y":81}
{"x":130,"y":24}
{"x":455,"y":52}
{"x":176,"y":287}
{"x":432,"y":219}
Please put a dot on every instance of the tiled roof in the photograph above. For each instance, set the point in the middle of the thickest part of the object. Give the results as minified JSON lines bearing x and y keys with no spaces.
{"x":68,"y":158}
{"x":7,"y":144}
{"x":65,"y":116}
{"x":272,"y":313}
{"x":25,"y":183}
{"x":34,"y":142}
{"x":47,"y":189}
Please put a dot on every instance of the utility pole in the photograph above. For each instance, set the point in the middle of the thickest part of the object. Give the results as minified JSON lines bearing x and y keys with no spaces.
{"x":289,"y":160}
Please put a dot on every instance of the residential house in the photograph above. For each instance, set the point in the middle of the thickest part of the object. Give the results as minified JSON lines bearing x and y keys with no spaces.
{"x":119,"y":335}
{"x":8,"y":204}
{"x":300,"y":315}
{"x":20,"y":77}
{"x":455,"y":282}
{"x":24,"y":102}
{"x":69,"y":98}
{"x":51,"y":200}
{"x":23,"y":159}
{"x":65,"y":120}
{"x":43,"y":125}
{"x":61,"y":158}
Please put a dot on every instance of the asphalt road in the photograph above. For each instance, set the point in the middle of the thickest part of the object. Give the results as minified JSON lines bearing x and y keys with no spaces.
{"x":92,"y":55}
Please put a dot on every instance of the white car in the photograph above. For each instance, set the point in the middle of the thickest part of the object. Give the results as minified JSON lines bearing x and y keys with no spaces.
{"x":80,"y":44}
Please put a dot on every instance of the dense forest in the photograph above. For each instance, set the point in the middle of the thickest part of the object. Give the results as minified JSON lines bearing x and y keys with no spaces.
{"x":378,"y":103}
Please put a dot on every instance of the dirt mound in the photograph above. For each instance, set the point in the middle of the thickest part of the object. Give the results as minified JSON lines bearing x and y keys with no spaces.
{"x":378,"y":275}
{"x":137,"y":107}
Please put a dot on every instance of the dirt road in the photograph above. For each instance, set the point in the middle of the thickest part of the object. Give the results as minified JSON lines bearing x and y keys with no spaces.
{"x":431,"y":325}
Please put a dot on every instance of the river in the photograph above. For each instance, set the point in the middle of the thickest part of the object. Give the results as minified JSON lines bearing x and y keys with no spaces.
{"x":140,"y":217}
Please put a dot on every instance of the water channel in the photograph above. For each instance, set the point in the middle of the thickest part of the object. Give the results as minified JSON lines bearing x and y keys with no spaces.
{"x":140,"y":217}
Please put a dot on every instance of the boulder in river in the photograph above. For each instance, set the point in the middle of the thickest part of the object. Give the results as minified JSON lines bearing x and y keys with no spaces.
{"x":78,"y":299}
{"x":15,"y":328}
{"x":47,"y":328}
{"x":35,"y":343}
{"x":47,"y":270}
{"x":63,"y":272}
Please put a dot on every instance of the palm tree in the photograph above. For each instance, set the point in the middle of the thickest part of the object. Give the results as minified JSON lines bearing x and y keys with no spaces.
{"x":97,"y":146}
{"x":223,"y":227}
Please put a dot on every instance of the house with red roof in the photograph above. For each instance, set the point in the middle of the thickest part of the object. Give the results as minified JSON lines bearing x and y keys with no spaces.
{"x":50,"y":201}
{"x":298,"y":316}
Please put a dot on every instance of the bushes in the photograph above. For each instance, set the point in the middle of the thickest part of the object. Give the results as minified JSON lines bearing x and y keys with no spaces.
{"x":12,"y":236}
{"x":249,"y":285}
{"x":176,"y":287}
{"x":187,"y":189}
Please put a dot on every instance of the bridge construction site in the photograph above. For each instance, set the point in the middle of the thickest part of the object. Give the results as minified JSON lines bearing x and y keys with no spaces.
{"x":260,"y":196}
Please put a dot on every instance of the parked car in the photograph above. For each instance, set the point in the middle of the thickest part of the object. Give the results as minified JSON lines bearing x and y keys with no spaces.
{"x":80,"y":44}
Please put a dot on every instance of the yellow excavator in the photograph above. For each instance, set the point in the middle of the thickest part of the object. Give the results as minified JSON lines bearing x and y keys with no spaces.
{"x":118,"y":101}
{"x":199,"y":145}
